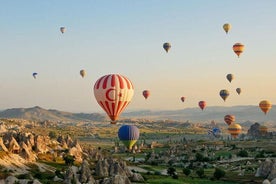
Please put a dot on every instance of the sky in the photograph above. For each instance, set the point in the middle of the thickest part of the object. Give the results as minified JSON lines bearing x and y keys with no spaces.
{"x":126,"y":37}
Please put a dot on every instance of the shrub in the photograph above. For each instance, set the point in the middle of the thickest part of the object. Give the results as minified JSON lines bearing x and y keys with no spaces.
{"x":199,"y":157}
{"x":157,"y":173}
{"x":23,"y":176}
{"x":58,"y":174}
{"x":171,"y":171}
{"x":69,"y":159}
{"x":187,"y":171}
{"x":219,"y":173}
{"x":52,"y":134}
{"x":242,"y":153}
{"x":200,"y":172}
{"x":175,"y":176}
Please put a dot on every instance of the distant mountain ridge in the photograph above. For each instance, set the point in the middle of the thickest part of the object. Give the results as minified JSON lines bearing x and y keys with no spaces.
{"x":216,"y":113}
{"x":39,"y":114}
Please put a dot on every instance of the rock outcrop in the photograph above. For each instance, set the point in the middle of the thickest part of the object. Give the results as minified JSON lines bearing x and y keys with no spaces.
{"x":117,"y":171}
{"x":254,"y":130}
{"x":267,"y":169}
{"x":85,"y":173}
{"x":2,"y":146}
{"x":27,"y":153}
{"x":41,"y":143}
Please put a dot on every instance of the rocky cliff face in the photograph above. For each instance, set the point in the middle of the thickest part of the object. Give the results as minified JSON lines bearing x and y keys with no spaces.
{"x":29,"y":145}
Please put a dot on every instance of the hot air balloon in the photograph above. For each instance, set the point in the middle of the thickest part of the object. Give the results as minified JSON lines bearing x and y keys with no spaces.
{"x":82,"y":73}
{"x":229,"y":119}
{"x":224,"y":94}
{"x":62,"y":29}
{"x":238,"y":48}
{"x":113,"y":93}
{"x":226,"y":27}
{"x":34,"y":75}
{"x":265,"y":106}
{"x":146,"y":93}
{"x":230,"y":77}
{"x":263,"y":129}
{"x":202,"y":104}
{"x":216,"y":132}
{"x":128,"y":134}
{"x":167,"y":46}
{"x":234,"y":129}
{"x":182,"y":98}
{"x":238,"y":90}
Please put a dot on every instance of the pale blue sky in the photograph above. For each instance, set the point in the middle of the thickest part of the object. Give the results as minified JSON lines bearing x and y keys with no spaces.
{"x":126,"y":37}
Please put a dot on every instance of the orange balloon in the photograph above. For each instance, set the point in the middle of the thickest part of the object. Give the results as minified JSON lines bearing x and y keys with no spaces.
{"x":238,"y":48}
{"x":229,"y":119}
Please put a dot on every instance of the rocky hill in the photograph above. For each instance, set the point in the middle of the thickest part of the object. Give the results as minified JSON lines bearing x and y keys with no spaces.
{"x":40,"y":114}
{"x":243,"y":114}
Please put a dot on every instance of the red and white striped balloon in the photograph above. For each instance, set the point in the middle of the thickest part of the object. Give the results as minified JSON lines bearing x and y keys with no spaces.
{"x":113,"y":93}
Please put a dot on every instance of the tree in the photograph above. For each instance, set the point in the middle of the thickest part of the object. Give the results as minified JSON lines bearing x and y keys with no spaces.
{"x":200,"y":172}
{"x":171,"y":171}
{"x":69,"y":159}
{"x":219,"y":173}
{"x":242,"y":153}
{"x":199,"y":157}
{"x":52,"y":134}
{"x":186,"y":171}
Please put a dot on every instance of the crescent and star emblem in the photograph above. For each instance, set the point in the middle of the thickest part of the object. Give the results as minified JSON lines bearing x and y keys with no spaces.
{"x":110,"y":97}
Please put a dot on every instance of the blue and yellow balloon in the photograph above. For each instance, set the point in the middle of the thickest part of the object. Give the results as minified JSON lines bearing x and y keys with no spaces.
{"x":128,"y":134}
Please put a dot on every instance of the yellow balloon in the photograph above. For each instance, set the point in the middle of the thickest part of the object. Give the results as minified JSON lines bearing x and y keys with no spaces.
{"x":238,"y":48}
{"x":263,"y":129}
{"x":82,"y":73}
{"x":226,"y":27}
{"x":265,"y":106}
{"x":234,"y":129}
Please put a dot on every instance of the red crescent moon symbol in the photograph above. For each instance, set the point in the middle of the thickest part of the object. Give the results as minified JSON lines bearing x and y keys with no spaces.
{"x":107,"y":95}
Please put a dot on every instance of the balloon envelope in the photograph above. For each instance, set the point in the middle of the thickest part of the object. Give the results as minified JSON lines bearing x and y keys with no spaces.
{"x":263,"y":129}
{"x":202,"y":104}
{"x":182,"y":98}
{"x":146,"y":93}
{"x":238,"y":48}
{"x":113,"y":93}
{"x":265,"y":106}
{"x":34,"y":75}
{"x":234,"y":129}
{"x":82,"y":73}
{"x":224,"y":94}
{"x":216,"y":132}
{"x":230,"y":77}
{"x":128,"y":134}
{"x":229,"y":119}
{"x":62,"y":29}
{"x":167,"y":46}
{"x":226,"y":27}
{"x":238,"y":90}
